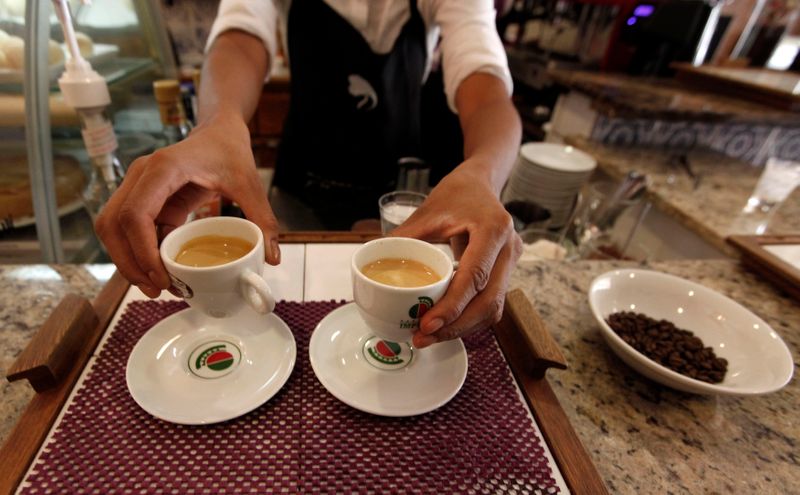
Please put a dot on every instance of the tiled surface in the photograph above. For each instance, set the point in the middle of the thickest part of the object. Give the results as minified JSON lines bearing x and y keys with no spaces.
{"x":286,"y":279}
{"x":327,"y":273}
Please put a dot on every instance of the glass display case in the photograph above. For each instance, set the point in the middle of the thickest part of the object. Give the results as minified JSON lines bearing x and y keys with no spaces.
{"x":43,"y":163}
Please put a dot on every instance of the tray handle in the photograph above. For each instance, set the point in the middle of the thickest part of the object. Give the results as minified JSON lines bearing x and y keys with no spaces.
{"x":50,"y":354}
{"x":539,"y":350}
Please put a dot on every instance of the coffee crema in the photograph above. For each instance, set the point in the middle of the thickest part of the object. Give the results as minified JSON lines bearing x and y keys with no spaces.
{"x":399,"y":272}
{"x":212,"y":250}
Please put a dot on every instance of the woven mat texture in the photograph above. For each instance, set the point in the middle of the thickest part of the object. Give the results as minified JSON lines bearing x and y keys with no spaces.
{"x":303,"y":440}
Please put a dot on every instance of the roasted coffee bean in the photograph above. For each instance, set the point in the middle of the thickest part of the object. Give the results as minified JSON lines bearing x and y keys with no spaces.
{"x":677,"y":349}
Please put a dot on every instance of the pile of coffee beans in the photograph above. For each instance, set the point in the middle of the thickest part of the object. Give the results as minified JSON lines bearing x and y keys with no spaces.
{"x":663,"y":342}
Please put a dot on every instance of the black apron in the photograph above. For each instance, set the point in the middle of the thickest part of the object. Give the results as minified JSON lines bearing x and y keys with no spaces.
{"x":353,"y":113}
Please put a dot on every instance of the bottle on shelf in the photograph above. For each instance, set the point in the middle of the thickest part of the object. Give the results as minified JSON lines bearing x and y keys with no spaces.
{"x":177,"y":128}
{"x":106,"y":169}
{"x":87,"y":92}
{"x":173,"y":117}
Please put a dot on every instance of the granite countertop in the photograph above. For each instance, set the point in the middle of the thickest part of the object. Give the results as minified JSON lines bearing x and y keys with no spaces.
{"x":646,"y":438}
{"x":643,"y":437}
{"x":713,"y":209}
{"x":620,"y":95}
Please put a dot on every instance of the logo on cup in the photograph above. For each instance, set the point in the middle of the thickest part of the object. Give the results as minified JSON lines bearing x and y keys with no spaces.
{"x":214,"y":359}
{"x":179,"y":288}
{"x":416,"y":311}
{"x":386,"y":355}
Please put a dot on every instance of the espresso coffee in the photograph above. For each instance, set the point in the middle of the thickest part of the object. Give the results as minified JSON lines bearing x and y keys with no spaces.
{"x":400,"y":272}
{"x":212,"y":250}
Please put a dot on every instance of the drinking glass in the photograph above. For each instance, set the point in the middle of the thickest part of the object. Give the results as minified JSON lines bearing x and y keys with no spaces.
{"x":605,"y":227}
{"x":397,"y":206}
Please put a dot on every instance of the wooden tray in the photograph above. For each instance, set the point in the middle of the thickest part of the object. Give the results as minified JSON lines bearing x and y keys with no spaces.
{"x":756,"y":257}
{"x":54,"y":360}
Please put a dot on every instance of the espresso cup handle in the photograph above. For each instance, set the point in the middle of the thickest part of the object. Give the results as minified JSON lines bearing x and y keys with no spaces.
{"x":256,"y":292}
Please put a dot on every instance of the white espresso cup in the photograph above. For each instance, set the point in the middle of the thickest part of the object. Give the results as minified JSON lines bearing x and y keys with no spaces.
{"x":391,"y":312}
{"x":222,"y":290}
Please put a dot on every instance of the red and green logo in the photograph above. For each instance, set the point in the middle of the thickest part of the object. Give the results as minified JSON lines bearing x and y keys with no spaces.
{"x":416,"y":311}
{"x":387,"y":355}
{"x":214,"y":359}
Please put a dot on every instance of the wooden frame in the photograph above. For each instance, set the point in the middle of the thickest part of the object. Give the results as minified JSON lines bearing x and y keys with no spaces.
{"x":766,"y":264}
{"x":526,"y":344}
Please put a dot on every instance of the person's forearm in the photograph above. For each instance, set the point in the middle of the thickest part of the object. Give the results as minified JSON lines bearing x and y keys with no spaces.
{"x":232,"y":78}
{"x":491,"y":127}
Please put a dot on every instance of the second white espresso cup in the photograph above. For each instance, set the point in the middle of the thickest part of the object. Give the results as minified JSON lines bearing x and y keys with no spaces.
{"x":222,"y":290}
{"x":391,"y":312}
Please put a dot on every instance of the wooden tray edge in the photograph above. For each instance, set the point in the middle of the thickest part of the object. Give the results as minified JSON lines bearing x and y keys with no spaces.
{"x":30,"y":431}
{"x":759,"y":260}
{"x":572,"y":459}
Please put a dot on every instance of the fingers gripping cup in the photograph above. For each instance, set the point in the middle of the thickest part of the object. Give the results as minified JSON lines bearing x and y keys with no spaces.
{"x":216,"y":265}
{"x":395,"y":281}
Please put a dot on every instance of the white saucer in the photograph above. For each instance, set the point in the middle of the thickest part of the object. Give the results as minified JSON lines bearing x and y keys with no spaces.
{"x":404,"y":383}
{"x":192,"y":369}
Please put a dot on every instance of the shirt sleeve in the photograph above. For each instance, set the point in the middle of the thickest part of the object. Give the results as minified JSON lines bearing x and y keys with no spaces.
{"x":470,"y":43}
{"x":256,"y":17}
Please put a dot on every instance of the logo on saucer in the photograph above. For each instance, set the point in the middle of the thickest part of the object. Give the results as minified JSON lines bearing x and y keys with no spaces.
{"x":386,"y":355}
{"x":422,"y":307}
{"x":214,"y":359}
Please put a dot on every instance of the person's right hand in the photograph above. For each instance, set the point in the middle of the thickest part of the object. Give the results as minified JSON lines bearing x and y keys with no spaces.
{"x":161,"y":189}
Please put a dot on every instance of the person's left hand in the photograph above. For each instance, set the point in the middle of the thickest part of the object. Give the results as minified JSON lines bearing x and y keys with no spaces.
{"x":464,"y":208}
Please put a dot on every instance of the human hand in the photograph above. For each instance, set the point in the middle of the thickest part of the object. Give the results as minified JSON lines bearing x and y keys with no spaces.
{"x":162,"y":188}
{"x":464,"y":208}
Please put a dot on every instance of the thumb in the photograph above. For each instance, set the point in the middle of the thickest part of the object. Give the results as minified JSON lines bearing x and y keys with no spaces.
{"x":268,"y":224}
{"x":256,"y":208}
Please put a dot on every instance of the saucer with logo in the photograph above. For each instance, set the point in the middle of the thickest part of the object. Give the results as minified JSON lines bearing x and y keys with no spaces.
{"x":362,"y":352}
{"x":227,"y":353}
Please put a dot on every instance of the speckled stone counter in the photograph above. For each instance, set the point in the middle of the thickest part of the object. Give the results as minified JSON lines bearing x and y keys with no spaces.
{"x":713,"y":208}
{"x":646,"y":438}
{"x":622,"y":96}
{"x":643,"y":437}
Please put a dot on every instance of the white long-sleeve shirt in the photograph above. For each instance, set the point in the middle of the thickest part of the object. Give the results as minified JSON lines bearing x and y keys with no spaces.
{"x":470,"y":42}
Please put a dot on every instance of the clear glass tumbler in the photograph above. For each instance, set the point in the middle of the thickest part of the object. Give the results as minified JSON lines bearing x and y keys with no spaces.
{"x":397,"y":206}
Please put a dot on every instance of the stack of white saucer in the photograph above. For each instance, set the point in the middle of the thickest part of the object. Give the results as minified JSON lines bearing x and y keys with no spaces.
{"x":550,"y":175}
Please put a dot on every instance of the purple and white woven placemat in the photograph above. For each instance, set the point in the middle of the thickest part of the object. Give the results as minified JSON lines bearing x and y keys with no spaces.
{"x":301,"y":441}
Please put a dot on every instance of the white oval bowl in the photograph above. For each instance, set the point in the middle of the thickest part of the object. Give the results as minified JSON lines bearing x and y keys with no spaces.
{"x":758,"y":360}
